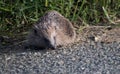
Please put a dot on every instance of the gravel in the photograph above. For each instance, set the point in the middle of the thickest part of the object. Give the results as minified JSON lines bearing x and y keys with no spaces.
{"x":80,"y":58}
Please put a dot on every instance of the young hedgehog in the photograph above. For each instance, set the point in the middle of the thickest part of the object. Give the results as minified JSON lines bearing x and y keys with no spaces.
{"x":51,"y":31}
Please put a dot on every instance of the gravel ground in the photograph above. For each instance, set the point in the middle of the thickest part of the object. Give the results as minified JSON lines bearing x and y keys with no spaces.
{"x":97,"y":52}
{"x":81,"y":58}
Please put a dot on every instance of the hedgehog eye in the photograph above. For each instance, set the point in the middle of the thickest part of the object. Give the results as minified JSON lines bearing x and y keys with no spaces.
{"x":55,"y":28}
{"x":54,"y":38}
{"x":46,"y":40}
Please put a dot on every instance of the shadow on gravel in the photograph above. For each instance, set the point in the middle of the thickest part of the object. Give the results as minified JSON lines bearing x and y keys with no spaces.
{"x":20,"y":49}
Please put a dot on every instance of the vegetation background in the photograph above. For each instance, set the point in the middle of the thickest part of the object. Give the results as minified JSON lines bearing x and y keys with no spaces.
{"x":17,"y":16}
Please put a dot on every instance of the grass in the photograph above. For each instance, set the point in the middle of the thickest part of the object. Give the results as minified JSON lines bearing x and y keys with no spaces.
{"x":17,"y":16}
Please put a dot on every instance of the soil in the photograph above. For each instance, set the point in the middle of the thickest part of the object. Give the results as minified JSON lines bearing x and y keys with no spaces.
{"x":100,"y":34}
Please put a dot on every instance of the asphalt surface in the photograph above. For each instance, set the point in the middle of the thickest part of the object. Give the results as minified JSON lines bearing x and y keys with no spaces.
{"x":80,"y":58}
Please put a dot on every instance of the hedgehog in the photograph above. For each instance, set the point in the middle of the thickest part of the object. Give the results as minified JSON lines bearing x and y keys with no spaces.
{"x":51,"y":31}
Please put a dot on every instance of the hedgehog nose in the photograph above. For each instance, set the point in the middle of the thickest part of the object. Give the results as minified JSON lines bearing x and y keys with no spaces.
{"x":52,"y":47}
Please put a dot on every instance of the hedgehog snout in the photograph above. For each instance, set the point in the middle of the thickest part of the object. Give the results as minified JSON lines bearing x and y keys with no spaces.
{"x":53,"y":43}
{"x":52,"y":46}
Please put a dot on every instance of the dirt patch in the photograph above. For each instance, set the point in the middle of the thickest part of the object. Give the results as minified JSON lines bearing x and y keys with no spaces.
{"x":100,"y":33}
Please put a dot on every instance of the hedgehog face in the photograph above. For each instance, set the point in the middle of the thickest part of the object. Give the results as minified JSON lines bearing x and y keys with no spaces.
{"x":47,"y":36}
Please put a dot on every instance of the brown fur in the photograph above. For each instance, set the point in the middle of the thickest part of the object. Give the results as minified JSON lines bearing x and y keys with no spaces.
{"x":52,"y":30}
